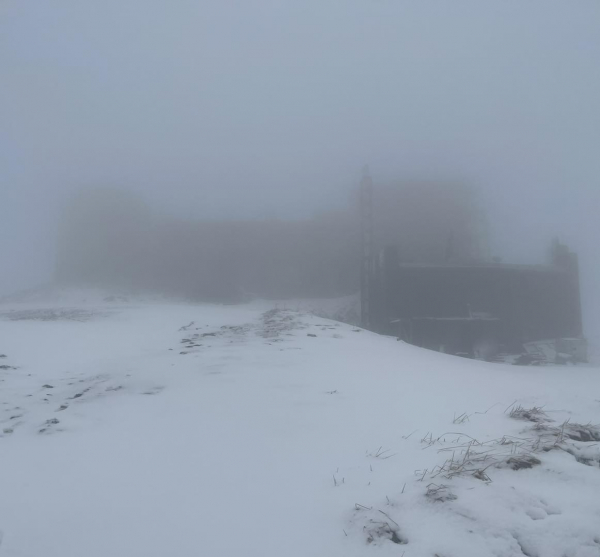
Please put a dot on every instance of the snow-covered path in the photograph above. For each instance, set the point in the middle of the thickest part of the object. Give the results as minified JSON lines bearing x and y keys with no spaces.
{"x":253,"y":434}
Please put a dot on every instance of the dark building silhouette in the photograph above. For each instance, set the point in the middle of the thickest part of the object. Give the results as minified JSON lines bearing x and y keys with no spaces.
{"x":453,"y":299}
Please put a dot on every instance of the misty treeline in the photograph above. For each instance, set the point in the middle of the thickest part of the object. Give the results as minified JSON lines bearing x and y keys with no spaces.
{"x":112,"y":238}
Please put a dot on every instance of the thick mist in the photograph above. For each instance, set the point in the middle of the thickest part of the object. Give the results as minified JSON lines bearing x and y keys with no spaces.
{"x":258,"y":110}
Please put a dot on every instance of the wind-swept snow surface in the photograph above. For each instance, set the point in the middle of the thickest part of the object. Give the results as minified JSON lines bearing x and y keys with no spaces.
{"x":181,"y":430}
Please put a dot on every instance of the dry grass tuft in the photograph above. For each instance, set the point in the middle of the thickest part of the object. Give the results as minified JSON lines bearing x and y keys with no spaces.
{"x":535,"y":414}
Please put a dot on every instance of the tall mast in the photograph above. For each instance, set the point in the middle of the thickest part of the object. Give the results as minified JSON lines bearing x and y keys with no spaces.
{"x":366,"y":238}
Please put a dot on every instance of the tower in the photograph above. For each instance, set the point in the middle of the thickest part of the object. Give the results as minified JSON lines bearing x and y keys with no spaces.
{"x":367,"y":248}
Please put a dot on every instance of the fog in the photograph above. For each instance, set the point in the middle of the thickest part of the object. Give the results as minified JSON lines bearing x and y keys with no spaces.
{"x":261,"y":110}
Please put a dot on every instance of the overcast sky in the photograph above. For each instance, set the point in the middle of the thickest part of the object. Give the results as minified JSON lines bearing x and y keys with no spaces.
{"x":260,"y":108}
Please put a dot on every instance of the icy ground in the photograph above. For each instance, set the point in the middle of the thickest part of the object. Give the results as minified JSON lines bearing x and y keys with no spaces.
{"x":162,"y":429}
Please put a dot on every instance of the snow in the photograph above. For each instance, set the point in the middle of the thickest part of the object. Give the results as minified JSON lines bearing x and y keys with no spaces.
{"x":125,"y":431}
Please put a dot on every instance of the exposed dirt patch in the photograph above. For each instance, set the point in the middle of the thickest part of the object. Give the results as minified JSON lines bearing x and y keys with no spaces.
{"x":523,"y":462}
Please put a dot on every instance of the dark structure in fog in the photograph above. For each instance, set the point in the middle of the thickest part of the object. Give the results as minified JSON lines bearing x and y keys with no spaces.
{"x":464,"y":308}
{"x":463,"y":304}
{"x":423,"y":269}
{"x":111,"y":238}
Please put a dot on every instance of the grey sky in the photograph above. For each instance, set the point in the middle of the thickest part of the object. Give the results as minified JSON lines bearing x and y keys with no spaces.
{"x":254,"y":108}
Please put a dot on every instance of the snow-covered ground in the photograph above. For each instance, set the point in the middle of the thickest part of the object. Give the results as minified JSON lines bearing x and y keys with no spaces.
{"x":162,"y":429}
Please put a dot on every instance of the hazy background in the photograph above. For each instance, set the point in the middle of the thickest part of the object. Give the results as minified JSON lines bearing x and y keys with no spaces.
{"x":256,"y":109}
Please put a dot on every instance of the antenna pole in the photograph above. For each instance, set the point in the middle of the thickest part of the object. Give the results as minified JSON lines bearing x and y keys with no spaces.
{"x":366,"y":238}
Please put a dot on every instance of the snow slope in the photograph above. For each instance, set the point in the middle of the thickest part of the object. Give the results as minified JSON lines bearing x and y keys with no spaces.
{"x":170,"y":429}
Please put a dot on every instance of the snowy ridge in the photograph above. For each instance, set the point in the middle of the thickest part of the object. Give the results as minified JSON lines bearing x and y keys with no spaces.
{"x":246,"y":430}
{"x":67,"y":296}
